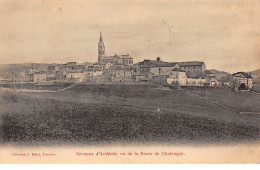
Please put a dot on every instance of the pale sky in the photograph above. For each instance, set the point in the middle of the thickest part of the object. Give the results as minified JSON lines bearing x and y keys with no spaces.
{"x":222,"y":33}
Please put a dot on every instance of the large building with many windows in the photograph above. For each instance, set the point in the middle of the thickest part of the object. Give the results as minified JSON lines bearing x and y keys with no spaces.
{"x":193,"y":68}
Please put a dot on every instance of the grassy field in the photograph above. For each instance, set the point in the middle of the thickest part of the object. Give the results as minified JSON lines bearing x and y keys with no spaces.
{"x":127,"y":114}
{"x":56,"y":86}
{"x":242,"y":101}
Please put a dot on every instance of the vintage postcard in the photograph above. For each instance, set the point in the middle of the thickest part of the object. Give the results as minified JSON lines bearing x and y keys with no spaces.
{"x":129,"y":81}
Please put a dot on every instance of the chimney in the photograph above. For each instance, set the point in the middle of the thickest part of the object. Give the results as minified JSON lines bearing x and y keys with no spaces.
{"x":158,"y":59}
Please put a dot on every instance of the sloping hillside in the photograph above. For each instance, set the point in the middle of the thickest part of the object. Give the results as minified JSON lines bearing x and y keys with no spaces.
{"x":256,"y":74}
{"x":219,"y":74}
{"x":20,"y":71}
{"x":256,"y":79}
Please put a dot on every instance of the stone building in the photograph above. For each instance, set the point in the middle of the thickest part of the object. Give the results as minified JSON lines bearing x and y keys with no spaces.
{"x":74,"y":75}
{"x":156,"y":67}
{"x":211,"y":78}
{"x":193,"y":68}
{"x":122,"y":74}
{"x":39,"y":77}
{"x":177,"y":75}
{"x":92,"y":71}
{"x":244,"y":80}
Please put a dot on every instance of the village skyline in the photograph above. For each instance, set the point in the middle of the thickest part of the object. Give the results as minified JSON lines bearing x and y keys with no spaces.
{"x":52,"y":32}
{"x":94,"y":60}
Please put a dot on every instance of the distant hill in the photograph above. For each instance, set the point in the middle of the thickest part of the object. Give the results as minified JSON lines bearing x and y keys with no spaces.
{"x":256,"y":75}
{"x":19,"y":71}
{"x":22,"y":66}
{"x":219,"y":74}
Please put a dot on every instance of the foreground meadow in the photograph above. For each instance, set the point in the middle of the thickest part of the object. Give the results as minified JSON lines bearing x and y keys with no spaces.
{"x":102,"y":114}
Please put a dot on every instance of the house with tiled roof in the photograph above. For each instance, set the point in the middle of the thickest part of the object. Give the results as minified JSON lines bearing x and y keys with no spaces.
{"x":157,"y":67}
{"x":245,"y":80}
{"x":154,"y":70}
{"x":122,"y":74}
{"x":92,"y":71}
{"x":193,"y":68}
{"x":177,"y":75}
{"x":40,"y":77}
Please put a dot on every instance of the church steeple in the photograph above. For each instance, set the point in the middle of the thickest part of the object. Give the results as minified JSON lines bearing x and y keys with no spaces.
{"x":101,"y":48}
{"x":100,"y":38}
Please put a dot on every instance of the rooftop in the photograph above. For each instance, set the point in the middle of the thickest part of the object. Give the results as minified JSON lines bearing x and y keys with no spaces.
{"x":92,"y":69}
{"x":124,"y":56}
{"x":154,"y":63}
{"x":241,"y":74}
{"x":177,"y":69}
{"x":191,"y":63}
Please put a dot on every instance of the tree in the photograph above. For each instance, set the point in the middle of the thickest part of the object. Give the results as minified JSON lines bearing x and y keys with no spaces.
{"x":176,"y":85}
{"x":14,"y":72}
{"x":226,"y":78}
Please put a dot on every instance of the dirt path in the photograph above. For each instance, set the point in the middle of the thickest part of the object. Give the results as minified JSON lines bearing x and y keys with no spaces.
{"x":212,"y":110}
{"x":218,"y":104}
{"x":211,"y":101}
{"x":35,"y":91}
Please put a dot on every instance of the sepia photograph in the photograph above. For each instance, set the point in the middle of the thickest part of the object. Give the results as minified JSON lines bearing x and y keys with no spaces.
{"x":120,"y":81}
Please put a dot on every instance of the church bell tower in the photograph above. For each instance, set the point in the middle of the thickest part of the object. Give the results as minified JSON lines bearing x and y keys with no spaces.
{"x":101,"y":49}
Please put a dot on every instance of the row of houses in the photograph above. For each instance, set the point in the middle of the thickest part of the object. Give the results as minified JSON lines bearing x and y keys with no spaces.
{"x":63,"y":72}
{"x":155,"y":71}
{"x":142,"y":71}
{"x":185,"y":73}
{"x":240,"y":80}
{"x":192,"y":73}
{"x":121,"y":68}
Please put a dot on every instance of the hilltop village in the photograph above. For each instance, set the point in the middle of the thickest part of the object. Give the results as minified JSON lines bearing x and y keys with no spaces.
{"x":121,"y":68}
